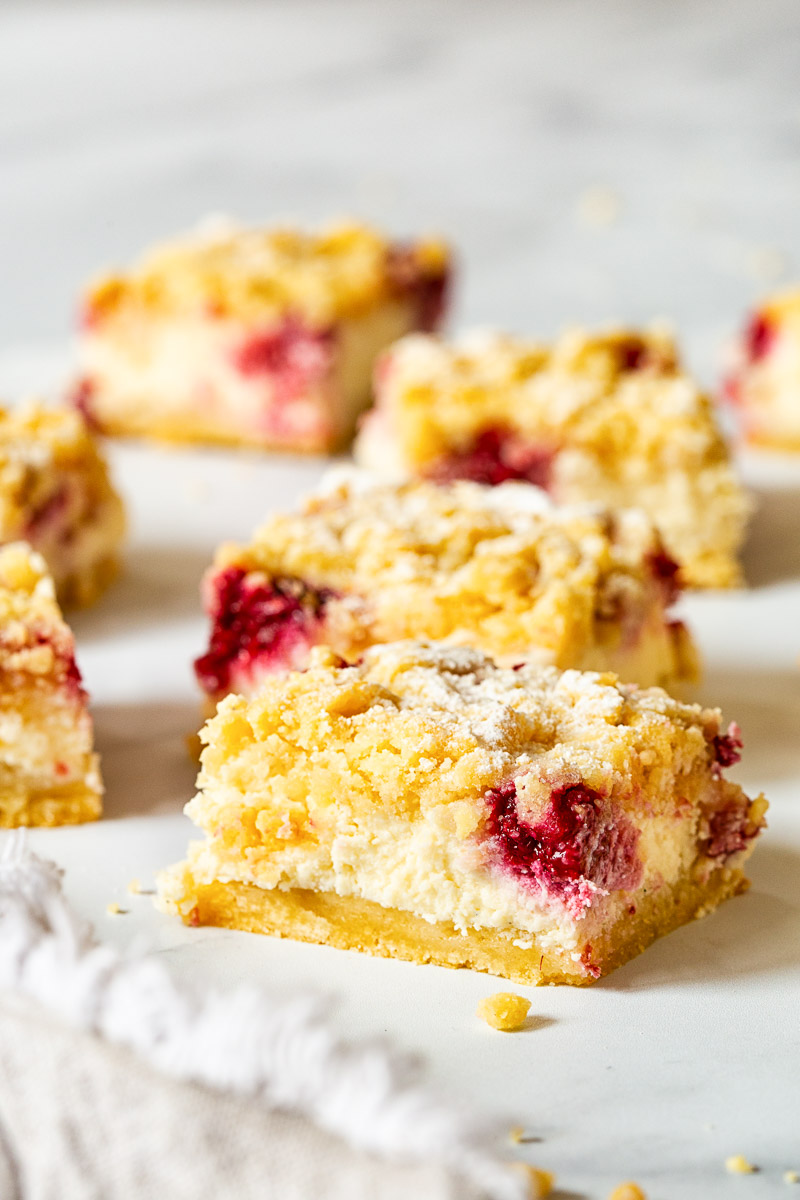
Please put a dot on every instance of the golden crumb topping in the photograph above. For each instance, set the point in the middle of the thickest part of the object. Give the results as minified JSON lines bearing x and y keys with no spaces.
{"x":782,"y":306}
{"x":500,"y":568}
{"x":33,"y":635}
{"x":614,"y":415}
{"x":46,"y":454}
{"x":447,"y":392}
{"x":417,"y":726}
{"x":227,"y":271}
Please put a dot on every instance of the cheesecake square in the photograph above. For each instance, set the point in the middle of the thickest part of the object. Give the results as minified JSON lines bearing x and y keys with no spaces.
{"x":500,"y":568}
{"x":56,"y":494}
{"x":426,"y":804}
{"x":253,"y":337}
{"x":764,"y":382}
{"x":49,"y":773}
{"x":610,"y":418}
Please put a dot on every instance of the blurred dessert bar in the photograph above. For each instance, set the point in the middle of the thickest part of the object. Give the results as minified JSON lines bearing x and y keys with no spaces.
{"x":426,"y":804}
{"x":48,"y":772}
{"x":56,"y":494}
{"x":260,"y":337}
{"x":497,"y":568}
{"x":610,"y":418}
{"x":764,"y":385}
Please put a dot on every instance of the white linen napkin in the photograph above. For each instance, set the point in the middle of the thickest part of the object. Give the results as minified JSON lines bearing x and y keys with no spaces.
{"x":117,"y":1083}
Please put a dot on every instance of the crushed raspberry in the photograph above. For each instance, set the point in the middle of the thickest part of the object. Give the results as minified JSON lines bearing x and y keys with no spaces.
{"x":667,"y":572}
{"x":80,"y":398}
{"x":758,"y":338}
{"x":43,"y":518}
{"x":632,"y":354}
{"x":258,"y":623}
{"x":728,"y":746}
{"x":727,"y":833}
{"x":430,"y":291}
{"x":294,"y":357}
{"x":588,"y":963}
{"x":496,"y":456}
{"x":573,"y":843}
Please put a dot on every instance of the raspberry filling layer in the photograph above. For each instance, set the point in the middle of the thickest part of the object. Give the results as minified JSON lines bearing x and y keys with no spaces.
{"x":667,"y":572}
{"x":80,"y":398}
{"x":729,"y":831}
{"x":496,"y":456}
{"x":294,"y":356}
{"x":429,"y":291}
{"x":572,"y":851}
{"x":259,"y":626}
{"x":728,"y":746}
{"x":758,"y":338}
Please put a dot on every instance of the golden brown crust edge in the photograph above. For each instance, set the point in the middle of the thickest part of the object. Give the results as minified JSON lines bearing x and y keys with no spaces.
{"x":350,"y":923}
{"x":177,"y":433}
{"x":75,"y":807}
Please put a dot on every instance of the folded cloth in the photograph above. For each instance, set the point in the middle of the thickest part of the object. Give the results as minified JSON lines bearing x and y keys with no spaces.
{"x":118,"y":1082}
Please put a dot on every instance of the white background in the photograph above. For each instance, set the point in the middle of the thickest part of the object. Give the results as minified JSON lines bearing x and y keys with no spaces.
{"x":120,"y":124}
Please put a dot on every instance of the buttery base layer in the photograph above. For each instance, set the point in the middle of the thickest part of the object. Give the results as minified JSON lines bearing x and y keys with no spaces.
{"x":350,"y":923}
{"x":177,"y":431}
{"x":68,"y":806}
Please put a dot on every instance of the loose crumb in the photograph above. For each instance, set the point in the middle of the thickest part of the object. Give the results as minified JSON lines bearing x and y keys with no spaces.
{"x":114,"y":909}
{"x":791,"y":1177}
{"x":627,"y":1191}
{"x":504,"y":1010}
{"x":515,"y":1134}
{"x":135,"y":887}
{"x":737,"y":1164}
{"x":540,"y":1183}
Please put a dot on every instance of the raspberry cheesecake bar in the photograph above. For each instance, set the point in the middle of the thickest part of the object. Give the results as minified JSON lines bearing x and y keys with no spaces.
{"x":253,"y":337}
{"x":609,"y":418}
{"x":56,"y":494}
{"x":765,"y":383}
{"x":497,"y":568}
{"x":48,"y":772}
{"x":429,"y":805}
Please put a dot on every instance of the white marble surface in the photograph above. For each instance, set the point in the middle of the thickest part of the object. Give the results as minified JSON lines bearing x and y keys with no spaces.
{"x":121,"y":123}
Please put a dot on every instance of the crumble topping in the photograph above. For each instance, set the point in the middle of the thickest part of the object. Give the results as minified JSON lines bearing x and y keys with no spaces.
{"x":504,"y":1010}
{"x":609,"y":417}
{"x":501,"y":568}
{"x":230,"y":271}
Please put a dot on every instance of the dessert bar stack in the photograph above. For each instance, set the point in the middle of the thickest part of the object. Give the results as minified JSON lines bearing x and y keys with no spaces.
{"x":437,"y":724}
{"x":49,"y":772}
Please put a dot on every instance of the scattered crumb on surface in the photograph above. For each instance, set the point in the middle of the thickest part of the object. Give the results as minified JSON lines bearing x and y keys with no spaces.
{"x":115,"y":910}
{"x":737,"y":1164}
{"x":540,"y":1183}
{"x":599,"y":206}
{"x":135,"y":889}
{"x":515,"y":1134}
{"x":627,"y":1191}
{"x":504,"y":1010}
{"x":791,"y":1177}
